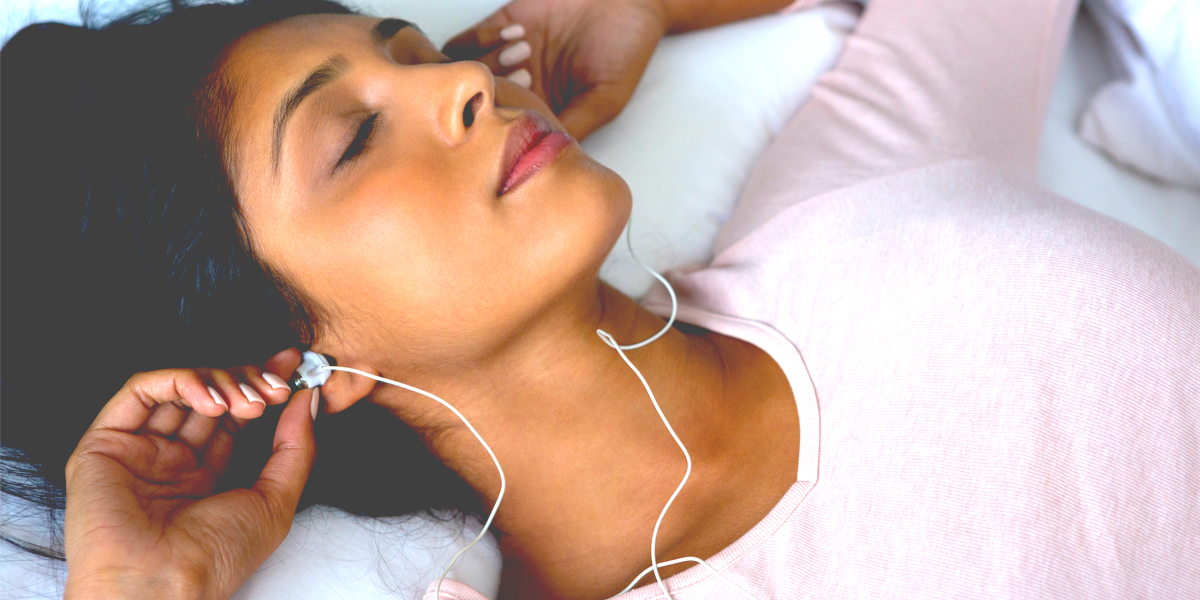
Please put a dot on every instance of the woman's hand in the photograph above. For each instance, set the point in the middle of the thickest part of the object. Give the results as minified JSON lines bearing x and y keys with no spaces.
{"x":141,"y":517}
{"x":582,"y":57}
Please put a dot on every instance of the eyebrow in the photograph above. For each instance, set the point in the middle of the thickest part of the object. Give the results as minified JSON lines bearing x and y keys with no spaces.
{"x":323,"y":75}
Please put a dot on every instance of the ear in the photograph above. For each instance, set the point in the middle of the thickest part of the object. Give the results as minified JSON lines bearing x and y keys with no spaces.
{"x":344,"y":389}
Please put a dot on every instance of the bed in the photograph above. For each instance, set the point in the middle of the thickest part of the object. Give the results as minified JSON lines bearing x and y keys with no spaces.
{"x":685,"y":161}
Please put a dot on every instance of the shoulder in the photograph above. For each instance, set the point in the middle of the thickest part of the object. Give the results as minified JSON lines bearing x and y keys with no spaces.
{"x":963,"y":266}
{"x":953,"y":225}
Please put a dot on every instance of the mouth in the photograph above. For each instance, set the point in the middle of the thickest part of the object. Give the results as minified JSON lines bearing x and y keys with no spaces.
{"x":532,"y":145}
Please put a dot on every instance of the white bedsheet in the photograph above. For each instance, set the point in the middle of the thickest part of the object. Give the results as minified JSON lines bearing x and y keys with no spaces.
{"x":1076,"y":170}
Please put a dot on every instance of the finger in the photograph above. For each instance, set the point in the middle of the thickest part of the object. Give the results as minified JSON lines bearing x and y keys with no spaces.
{"x":197,"y":431}
{"x":522,"y":77}
{"x":281,"y":366}
{"x":509,"y":59}
{"x":166,"y":419}
{"x":133,"y":405}
{"x":244,"y":401}
{"x":592,"y":109}
{"x":219,"y":451}
{"x":485,"y":36}
{"x":268,"y":386}
{"x":294,"y":450}
{"x":257,"y":389}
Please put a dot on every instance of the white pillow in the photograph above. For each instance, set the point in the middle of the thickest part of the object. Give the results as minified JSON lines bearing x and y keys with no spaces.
{"x":327,"y":554}
{"x":708,"y":105}
{"x":331,"y":554}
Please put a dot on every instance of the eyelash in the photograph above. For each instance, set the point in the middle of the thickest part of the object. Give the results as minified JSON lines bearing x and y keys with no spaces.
{"x":361,"y":139}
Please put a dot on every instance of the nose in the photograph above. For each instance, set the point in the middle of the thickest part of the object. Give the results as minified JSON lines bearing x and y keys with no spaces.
{"x":472,"y":95}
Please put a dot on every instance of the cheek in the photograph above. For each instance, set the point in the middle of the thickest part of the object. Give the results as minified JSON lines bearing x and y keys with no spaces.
{"x":421,"y":256}
{"x":429,"y":260}
{"x":410,"y":228}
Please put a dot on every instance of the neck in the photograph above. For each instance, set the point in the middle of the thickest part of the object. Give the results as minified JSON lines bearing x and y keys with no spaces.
{"x":589,"y":464}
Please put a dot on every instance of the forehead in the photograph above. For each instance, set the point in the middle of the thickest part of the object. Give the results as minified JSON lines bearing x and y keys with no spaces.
{"x":293,"y":43}
{"x":265,"y":64}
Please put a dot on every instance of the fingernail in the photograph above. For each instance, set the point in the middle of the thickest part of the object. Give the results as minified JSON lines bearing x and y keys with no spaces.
{"x":515,"y":31}
{"x":521,"y":77}
{"x":217,"y":397}
{"x":275,"y":381}
{"x":515,"y":53}
{"x":316,"y":401}
{"x":251,"y":395}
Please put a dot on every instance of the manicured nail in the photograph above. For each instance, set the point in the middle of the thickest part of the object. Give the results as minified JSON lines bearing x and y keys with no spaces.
{"x":251,"y":395}
{"x":275,"y":381}
{"x":521,"y":77}
{"x":316,"y":401}
{"x":217,"y":397}
{"x":515,"y":53}
{"x":515,"y":31}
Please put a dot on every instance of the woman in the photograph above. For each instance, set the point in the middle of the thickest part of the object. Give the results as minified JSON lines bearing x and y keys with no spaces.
{"x":983,"y":375}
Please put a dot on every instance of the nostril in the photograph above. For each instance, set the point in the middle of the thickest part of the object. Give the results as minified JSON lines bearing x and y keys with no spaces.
{"x":471,"y":108}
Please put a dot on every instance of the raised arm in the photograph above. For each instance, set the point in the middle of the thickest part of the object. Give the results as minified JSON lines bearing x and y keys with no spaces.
{"x":689,"y":15}
{"x":584,"y":58}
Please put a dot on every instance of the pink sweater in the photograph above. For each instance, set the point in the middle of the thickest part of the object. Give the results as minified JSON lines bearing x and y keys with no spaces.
{"x":998,"y":390}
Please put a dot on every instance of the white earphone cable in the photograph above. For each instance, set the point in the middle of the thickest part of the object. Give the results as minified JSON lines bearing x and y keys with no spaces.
{"x":608,"y":339}
{"x":662,"y":280}
{"x":676,"y":561}
{"x":654,"y":564}
{"x":503,"y":483}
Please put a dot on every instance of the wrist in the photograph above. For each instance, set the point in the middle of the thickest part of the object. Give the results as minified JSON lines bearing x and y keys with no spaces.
{"x":132,"y":584}
{"x":688,"y":15}
{"x":658,"y":12}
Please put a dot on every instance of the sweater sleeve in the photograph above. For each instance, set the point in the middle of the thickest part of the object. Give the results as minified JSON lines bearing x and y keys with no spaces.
{"x":919,"y":82}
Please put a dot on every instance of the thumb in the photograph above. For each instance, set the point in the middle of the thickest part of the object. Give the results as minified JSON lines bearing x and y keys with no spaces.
{"x":593,"y":109}
{"x":292,"y":456}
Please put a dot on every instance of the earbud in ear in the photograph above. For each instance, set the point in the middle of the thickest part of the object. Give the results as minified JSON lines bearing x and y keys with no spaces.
{"x":312,"y":372}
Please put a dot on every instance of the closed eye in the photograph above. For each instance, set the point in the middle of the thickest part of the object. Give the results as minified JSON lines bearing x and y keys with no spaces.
{"x":361,"y":138}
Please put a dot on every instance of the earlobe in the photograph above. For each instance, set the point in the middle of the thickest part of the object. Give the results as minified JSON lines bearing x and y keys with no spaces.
{"x":344,"y":389}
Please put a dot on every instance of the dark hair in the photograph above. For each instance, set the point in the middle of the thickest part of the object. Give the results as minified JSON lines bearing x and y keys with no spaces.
{"x":123,"y":251}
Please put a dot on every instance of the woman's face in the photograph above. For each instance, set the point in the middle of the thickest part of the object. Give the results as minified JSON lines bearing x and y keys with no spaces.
{"x":378,"y":177}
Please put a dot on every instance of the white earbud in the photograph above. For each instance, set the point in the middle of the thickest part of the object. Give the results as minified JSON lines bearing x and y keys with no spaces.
{"x":312,"y":372}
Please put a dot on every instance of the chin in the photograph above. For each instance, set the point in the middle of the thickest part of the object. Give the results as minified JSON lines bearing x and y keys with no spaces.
{"x":609,"y":204}
{"x":621,"y":202}
{"x":574,"y":216}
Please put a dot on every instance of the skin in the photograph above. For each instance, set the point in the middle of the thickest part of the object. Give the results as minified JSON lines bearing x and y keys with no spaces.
{"x":142,"y":518}
{"x":423,"y":273}
{"x":427,"y":276}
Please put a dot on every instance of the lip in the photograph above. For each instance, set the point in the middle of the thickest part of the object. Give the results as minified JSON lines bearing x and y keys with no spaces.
{"x":532,"y":144}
